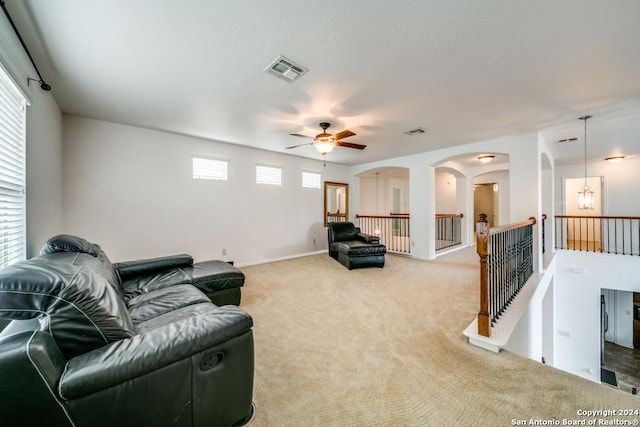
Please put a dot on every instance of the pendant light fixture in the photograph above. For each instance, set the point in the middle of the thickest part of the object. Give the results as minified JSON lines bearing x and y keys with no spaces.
{"x":585,"y":197}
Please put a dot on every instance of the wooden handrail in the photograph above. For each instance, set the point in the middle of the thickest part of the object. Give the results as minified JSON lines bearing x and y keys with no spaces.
{"x":449,"y":215}
{"x":503,"y":228}
{"x":381,"y":216}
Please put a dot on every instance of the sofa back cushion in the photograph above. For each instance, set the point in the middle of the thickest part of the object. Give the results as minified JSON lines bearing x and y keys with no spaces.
{"x":71,"y":243}
{"x":71,"y":295}
{"x":341,"y":231}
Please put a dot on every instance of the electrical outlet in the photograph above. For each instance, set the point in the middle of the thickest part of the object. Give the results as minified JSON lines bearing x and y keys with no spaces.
{"x":224,"y":252}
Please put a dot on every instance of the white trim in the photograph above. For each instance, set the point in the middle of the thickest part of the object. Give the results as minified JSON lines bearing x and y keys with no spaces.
{"x":282,"y":258}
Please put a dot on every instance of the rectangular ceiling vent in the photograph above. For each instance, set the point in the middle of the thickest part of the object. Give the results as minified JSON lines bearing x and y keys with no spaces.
{"x":566,"y":140}
{"x":416,"y":131}
{"x":286,"y":69}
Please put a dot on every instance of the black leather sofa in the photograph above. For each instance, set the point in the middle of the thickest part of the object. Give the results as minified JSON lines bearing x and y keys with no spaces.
{"x":130,"y":344}
{"x":354,"y":249}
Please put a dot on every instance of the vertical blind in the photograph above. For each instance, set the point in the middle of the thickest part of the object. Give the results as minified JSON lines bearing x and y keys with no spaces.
{"x":12,"y":172}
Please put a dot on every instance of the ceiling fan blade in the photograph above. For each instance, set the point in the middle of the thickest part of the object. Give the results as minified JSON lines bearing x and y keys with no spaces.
{"x":344,"y":134}
{"x":299,"y":135}
{"x":351,"y":145}
{"x":299,"y":145}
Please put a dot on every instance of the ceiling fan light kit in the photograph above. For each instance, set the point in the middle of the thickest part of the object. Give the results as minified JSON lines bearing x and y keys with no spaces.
{"x":325,"y":142}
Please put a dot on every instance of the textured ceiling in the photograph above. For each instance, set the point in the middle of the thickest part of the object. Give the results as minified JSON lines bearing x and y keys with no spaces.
{"x":463,"y":70}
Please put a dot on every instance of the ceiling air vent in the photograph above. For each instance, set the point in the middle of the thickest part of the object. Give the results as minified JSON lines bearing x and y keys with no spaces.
{"x":285,"y":69}
{"x":564,"y":141}
{"x":416,"y":131}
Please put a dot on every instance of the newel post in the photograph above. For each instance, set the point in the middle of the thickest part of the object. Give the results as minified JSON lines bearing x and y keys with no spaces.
{"x":482,"y":245}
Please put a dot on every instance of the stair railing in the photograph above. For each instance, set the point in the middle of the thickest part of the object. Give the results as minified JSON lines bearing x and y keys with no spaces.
{"x":506,"y":263}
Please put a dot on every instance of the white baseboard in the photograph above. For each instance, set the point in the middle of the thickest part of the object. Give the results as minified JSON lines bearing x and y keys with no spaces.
{"x":282,"y":258}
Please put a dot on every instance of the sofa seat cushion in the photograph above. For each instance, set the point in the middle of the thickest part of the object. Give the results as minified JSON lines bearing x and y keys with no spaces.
{"x":147,"y":283}
{"x":355,"y":248}
{"x":161,"y":301}
{"x":176,"y":315}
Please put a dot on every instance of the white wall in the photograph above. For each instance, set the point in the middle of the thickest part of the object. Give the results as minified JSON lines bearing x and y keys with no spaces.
{"x":131,"y":190}
{"x":446,"y":192}
{"x":580,"y":277}
{"x":44,"y":145}
{"x":44,"y":171}
{"x":620,"y":189}
{"x":376,"y":195}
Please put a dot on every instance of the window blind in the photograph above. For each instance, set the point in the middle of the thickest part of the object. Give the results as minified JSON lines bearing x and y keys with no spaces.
{"x":209,"y":169}
{"x":311,"y":179}
{"x":12,"y":172}
{"x":268,"y":175}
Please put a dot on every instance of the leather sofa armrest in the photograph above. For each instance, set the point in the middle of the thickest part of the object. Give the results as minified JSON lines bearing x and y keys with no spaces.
{"x":133,"y":357}
{"x":368,"y":238}
{"x":130,"y":269}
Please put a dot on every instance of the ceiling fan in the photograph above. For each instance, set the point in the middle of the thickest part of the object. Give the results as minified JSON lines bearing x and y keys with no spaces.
{"x":325,"y":142}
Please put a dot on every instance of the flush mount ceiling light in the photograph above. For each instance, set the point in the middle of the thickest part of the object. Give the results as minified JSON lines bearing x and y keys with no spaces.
{"x":585,"y":197}
{"x":486,"y":158}
{"x":615,"y":159}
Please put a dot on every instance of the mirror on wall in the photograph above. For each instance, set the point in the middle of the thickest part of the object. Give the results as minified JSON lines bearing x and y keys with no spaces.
{"x":336,"y":202}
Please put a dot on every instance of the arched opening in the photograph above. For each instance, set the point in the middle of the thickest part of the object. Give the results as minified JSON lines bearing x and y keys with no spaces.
{"x":450,"y":190}
{"x":384,"y":206}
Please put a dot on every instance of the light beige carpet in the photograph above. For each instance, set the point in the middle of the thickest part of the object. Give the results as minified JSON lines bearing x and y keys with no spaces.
{"x":373,"y":346}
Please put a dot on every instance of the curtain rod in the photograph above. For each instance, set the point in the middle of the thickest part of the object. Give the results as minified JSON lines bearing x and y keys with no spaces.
{"x":43,"y":85}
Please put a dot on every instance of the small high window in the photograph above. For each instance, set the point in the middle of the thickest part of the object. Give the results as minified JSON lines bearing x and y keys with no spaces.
{"x":268,"y":175}
{"x":311,"y":179}
{"x":209,"y":169}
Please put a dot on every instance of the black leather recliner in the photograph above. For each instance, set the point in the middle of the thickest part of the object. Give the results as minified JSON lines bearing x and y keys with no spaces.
{"x":82,"y":351}
{"x":354,"y":249}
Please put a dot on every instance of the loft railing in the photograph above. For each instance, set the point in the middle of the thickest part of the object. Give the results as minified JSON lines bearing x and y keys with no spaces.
{"x":393,"y":230}
{"x":448,"y":230}
{"x":506,"y":263}
{"x":606,"y":234}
